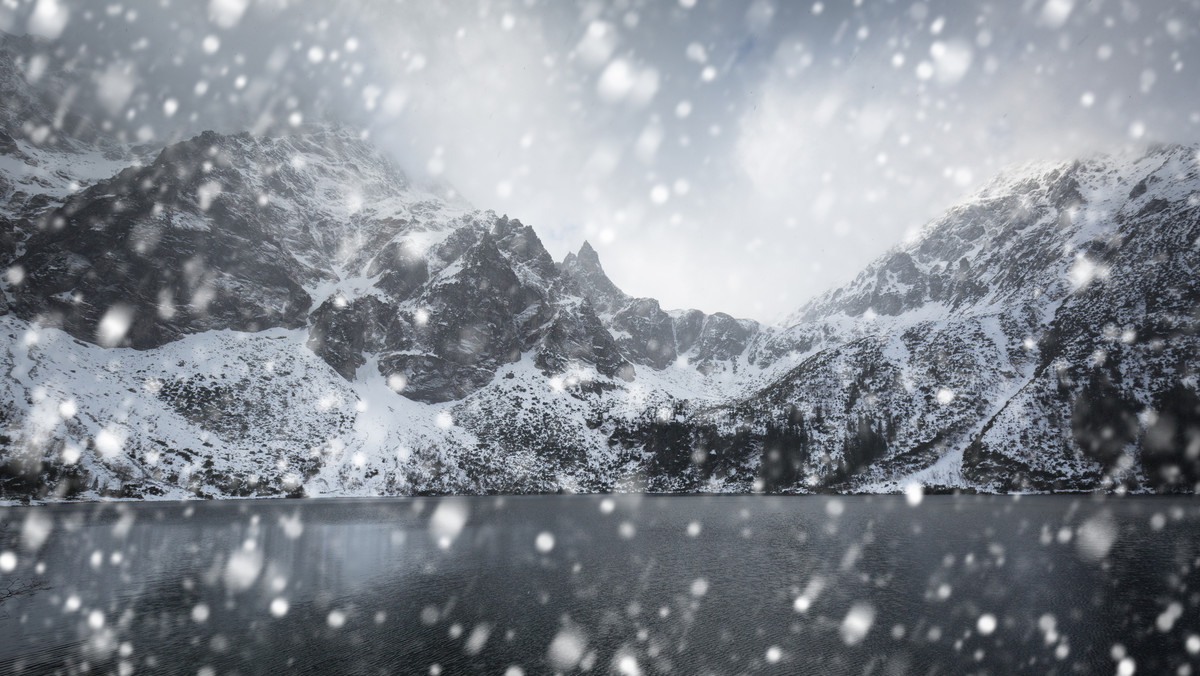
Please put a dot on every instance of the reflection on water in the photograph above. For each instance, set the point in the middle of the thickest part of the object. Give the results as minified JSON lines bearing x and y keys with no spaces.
{"x":616,"y":584}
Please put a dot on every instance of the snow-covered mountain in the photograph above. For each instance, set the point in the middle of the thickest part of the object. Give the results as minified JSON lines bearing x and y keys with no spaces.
{"x":1029,"y":338}
{"x":236,"y":315}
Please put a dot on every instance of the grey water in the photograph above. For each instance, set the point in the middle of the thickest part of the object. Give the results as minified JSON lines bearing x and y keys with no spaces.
{"x":605,"y":584}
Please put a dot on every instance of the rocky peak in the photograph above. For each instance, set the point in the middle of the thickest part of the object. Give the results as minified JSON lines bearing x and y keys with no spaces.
{"x":587,"y":278}
{"x":523,"y":246}
{"x":588,"y":257}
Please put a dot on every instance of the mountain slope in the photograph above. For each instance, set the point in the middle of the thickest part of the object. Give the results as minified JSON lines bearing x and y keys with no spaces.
{"x":956,"y":339}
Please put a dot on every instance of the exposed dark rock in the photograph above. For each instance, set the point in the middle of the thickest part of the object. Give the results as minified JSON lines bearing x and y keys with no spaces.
{"x":587,"y":278}
{"x":576,"y":334}
{"x":648,"y":334}
{"x":342,"y":332}
{"x":160,"y":247}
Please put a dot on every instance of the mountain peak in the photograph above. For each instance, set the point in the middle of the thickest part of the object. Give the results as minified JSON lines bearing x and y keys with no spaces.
{"x":586,"y":258}
{"x":585,"y":270}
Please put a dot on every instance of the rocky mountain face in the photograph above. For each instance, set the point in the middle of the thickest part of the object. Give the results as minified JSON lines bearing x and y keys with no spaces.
{"x":235,"y":315}
{"x":1027,"y":340}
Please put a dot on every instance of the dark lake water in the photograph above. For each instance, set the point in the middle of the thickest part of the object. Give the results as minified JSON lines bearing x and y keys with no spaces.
{"x":617,"y":584}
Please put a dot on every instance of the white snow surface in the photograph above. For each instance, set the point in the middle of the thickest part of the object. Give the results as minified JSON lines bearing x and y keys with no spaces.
{"x":323,"y":433}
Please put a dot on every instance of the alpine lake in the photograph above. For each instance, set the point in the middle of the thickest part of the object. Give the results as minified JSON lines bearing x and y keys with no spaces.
{"x":627,"y":584}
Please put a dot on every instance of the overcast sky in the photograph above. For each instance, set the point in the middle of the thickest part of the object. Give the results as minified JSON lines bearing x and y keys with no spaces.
{"x":728,"y":156}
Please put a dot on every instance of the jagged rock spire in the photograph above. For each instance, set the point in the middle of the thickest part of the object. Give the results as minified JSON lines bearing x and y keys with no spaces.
{"x":584,"y":271}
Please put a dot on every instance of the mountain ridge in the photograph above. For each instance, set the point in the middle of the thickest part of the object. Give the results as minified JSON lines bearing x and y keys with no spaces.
{"x":292,"y":315}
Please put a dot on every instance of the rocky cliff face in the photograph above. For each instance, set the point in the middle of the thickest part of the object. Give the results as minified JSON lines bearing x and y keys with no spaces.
{"x":239,"y":315}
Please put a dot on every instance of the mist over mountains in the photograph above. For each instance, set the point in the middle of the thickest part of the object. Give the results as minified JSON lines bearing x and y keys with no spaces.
{"x":265,"y":314}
